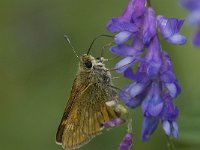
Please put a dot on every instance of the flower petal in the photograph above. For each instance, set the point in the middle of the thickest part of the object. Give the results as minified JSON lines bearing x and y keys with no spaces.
{"x":167,"y":77}
{"x":148,"y":127}
{"x":129,"y":10}
{"x":138,"y":44}
{"x":129,"y":74}
{"x":130,"y":101}
{"x":124,"y":94}
{"x":167,"y":127}
{"x":119,"y":24}
{"x":136,"y":88}
{"x":155,"y":109}
{"x":196,"y":38}
{"x":153,"y":58}
{"x":149,"y":30}
{"x":194,"y":17}
{"x":138,"y":9}
{"x":177,"y":39}
{"x":122,"y":37}
{"x":133,"y":103}
{"x":172,"y":89}
{"x":170,"y":128}
{"x":169,"y":28}
{"x":124,"y":64}
{"x":153,"y":103}
{"x":191,"y":4}
{"x":113,"y":122}
{"x":127,"y":142}
{"x":169,"y":112}
{"x":175,"y":129}
{"x":124,"y":50}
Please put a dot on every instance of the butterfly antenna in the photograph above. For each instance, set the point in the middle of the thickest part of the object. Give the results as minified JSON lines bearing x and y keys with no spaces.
{"x":102,"y":35}
{"x":68,"y":41}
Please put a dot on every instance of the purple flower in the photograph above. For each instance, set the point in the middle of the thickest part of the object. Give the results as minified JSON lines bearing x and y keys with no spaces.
{"x":148,"y":127}
{"x":171,"y":128}
{"x":122,"y":37}
{"x":168,"y":77}
{"x":154,"y":82}
{"x":149,"y":26}
{"x":168,"y":116}
{"x":127,"y":142}
{"x":134,"y":9}
{"x":153,"y":58}
{"x":193,"y":6}
{"x":169,"y":28}
{"x":196,"y":38}
{"x":120,"y":24}
{"x":131,"y":53}
{"x":127,"y":25}
{"x":114,"y":122}
{"x":152,"y":105}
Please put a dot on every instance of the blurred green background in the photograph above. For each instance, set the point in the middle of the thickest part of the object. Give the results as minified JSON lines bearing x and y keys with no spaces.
{"x":38,"y":68}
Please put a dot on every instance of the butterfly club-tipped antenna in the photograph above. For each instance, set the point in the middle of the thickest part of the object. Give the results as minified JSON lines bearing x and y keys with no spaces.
{"x":97,"y":37}
{"x":68,"y":41}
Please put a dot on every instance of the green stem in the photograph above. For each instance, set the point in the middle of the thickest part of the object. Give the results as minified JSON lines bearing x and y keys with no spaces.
{"x":148,"y":3}
{"x":129,"y":122}
{"x":170,"y":143}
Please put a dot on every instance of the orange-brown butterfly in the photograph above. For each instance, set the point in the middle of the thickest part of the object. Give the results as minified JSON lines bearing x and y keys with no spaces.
{"x":87,"y":107}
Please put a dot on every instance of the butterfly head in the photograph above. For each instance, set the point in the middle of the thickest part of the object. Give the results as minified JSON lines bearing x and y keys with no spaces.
{"x":87,"y":62}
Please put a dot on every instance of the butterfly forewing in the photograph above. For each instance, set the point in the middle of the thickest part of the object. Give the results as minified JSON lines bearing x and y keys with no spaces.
{"x":71,"y":101}
{"x":84,"y":116}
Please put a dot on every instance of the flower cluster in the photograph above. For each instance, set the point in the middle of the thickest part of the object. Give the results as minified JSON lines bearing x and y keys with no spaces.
{"x":194,"y":17}
{"x":154,"y":84}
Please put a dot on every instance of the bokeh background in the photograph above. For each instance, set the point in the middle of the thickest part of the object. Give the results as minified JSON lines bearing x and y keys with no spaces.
{"x":38,"y":67}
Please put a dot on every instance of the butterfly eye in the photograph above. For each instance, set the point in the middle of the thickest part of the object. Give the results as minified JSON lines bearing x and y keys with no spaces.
{"x":88,"y":64}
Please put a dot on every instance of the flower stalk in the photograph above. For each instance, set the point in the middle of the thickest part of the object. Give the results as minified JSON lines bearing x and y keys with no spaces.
{"x":155,"y":85}
{"x":170,"y":143}
{"x":148,"y":3}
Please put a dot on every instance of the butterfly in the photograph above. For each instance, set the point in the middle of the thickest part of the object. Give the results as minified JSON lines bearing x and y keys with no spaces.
{"x":87,"y":108}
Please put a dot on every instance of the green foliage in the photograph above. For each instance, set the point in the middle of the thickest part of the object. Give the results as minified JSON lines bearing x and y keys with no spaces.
{"x":38,"y":68}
